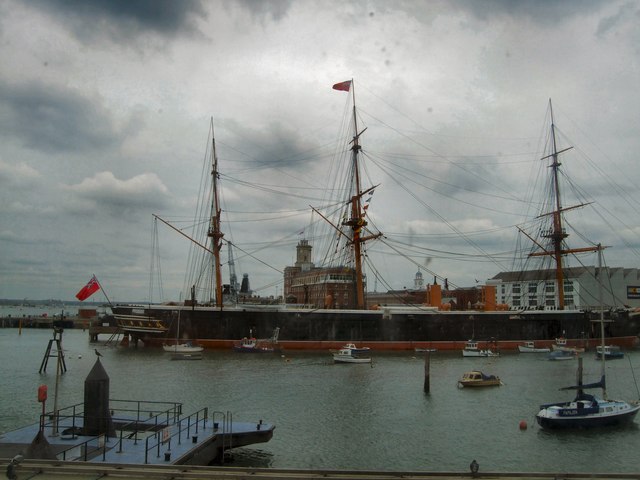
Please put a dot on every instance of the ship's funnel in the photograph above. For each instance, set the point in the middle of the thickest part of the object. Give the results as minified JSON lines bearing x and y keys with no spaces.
{"x":97,"y":417}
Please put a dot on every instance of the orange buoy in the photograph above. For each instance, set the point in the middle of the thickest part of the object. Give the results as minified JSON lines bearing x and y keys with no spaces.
{"x":523,"y":425}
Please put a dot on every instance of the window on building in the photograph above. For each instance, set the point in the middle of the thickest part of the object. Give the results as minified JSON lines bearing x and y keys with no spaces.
{"x":516,"y":288}
{"x":568,"y":287}
{"x":533,"y":302}
{"x":516,"y":302}
{"x":533,"y":288}
{"x":549,"y":287}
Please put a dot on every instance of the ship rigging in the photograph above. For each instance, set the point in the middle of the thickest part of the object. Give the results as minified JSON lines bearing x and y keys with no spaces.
{"x":554,"y":235}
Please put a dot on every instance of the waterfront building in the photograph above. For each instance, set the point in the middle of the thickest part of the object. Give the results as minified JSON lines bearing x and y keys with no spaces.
{"x":318,"y":287}
{"x":536,"y":289}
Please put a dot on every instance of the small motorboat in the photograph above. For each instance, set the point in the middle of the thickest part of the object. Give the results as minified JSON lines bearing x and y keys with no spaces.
{"x":251,"y":344}
{"x":357,"y":350}
{"x":471,"y":349}
{"x":352,"y":354}
{"x":562,"y":346}
{"x":476,"y":378}
{"x":611,"y":352}
{"x":425,"y":350}
{"x":562,"y":355}
{"x":530,"y":347}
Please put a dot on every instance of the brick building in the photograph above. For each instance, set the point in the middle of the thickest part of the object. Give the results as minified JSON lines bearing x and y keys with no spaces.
{"x":308,"y":285}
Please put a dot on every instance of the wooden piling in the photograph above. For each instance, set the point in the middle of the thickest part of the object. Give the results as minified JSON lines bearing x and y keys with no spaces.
{"x":427,"y":358}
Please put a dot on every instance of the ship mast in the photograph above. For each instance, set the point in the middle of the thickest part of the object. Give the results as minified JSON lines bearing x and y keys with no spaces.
{"x":357,"y":219}
{"x":557,"y":233}
{"x":214,"y":225}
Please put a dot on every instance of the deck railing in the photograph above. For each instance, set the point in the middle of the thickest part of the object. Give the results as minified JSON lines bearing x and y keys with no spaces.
{"x":189,"y":426}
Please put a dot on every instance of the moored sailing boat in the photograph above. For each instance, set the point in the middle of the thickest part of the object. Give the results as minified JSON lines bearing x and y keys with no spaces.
{"x":586,"y":410}
{"x":182,"y":348}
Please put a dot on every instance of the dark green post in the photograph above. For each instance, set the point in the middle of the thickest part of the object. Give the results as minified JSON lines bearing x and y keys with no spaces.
{"x":427,"y":357}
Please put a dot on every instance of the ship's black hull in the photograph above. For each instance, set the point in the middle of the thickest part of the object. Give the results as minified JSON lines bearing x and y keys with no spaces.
{"x":395,"y":326}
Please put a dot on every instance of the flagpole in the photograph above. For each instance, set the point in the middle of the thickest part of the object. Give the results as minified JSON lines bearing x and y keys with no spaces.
{"x":353,"y":95}
{"x":104,"y":293}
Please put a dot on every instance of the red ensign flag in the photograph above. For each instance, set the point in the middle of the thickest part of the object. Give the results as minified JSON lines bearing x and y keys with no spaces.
{"x":89,"y":289}
{"x":343,"y":86}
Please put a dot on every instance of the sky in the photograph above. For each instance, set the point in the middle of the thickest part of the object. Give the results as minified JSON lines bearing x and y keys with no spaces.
{"x":105,"y":110}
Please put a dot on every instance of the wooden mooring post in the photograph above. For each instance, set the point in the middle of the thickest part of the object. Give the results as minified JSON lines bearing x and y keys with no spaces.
{"x":427,"y":358}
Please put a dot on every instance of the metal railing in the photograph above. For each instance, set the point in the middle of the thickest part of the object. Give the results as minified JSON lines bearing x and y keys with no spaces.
{"x":190,"y":424}
{"x":148,"y":416}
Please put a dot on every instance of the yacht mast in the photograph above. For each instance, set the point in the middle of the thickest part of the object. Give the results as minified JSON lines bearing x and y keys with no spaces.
{"x":214,"y":226}
{"x":602,"y":353}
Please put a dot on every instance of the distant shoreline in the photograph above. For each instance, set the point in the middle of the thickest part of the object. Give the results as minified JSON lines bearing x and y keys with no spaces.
{"x":34,"y":321}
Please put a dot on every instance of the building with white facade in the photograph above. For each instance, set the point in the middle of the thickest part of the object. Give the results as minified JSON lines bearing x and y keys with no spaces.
{"x":536,"y":289}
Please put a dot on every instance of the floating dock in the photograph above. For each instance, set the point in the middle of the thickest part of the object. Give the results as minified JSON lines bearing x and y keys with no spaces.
{"x":129,"y":432}
{"x":152,"y":435}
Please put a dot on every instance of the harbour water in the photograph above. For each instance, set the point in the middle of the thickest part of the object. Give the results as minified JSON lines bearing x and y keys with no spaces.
{"x":362,"y":417}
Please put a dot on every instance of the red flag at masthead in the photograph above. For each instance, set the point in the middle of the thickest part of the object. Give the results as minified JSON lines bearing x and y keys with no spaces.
{"x":89,"y":289}
{"x":343,"y":86}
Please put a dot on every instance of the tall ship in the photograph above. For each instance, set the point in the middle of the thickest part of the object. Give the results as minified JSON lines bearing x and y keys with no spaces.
{"x":327,"y":307}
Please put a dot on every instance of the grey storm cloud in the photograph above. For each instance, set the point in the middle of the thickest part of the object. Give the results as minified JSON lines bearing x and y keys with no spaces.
{"x":104,"y":191}
{"x":276,"y":9}
{"x":274,"y":145}
{"x":543,"y":11}
{"x":125,"y":19}
{"x":49,"y":118}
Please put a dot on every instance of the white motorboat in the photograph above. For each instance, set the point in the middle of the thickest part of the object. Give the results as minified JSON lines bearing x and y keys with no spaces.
{"x":471,"y":349}
{"x":562,"y":346}
{"x":530,"y":347}
{"x":352,"y":354}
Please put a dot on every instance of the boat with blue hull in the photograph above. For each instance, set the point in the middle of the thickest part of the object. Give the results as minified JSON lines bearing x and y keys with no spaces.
{"x":562,"y":355}
{"x":611,"y":352}
{"x":586,"y":410}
